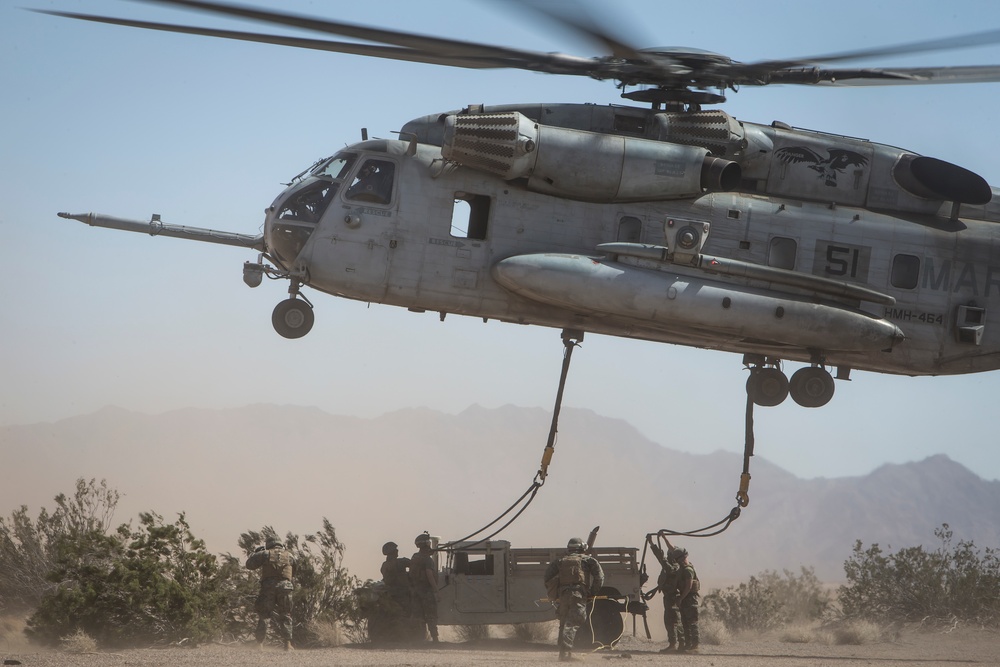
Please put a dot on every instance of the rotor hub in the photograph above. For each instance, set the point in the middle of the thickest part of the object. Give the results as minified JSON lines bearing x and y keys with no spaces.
{"x":674,"y":96}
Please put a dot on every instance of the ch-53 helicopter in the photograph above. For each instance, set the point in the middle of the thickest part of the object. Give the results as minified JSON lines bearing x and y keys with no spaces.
{"x":666,"y":222}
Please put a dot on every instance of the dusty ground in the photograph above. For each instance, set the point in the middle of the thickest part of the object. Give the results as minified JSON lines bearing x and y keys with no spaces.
{"x":912,"y":647}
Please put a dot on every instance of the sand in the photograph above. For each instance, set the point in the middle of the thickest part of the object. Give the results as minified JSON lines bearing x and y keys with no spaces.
{"x":913,"y":646}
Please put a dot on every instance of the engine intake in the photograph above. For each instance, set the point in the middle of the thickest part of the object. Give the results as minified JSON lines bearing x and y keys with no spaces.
{"x":931,"y":178}
{"x":584,"y":165}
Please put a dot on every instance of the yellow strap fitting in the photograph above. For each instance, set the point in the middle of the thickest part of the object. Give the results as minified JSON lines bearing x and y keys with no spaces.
{"x":743,"y":496}
{"x":546,"y":459}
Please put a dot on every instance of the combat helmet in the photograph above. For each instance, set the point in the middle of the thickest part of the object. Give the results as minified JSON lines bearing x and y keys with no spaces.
{"x":575,"y":545}
{"x":389,"y":547}
{"x":423,"y":540}
{"x":677,"y":553}
{"x":272,"y":541}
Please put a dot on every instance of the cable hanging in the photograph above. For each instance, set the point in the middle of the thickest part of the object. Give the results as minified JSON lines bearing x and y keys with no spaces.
{"x":742,"y":495}
{"x":571,"y":338}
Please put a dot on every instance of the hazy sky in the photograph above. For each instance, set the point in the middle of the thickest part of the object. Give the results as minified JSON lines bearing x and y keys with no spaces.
{"x":203,"y":132}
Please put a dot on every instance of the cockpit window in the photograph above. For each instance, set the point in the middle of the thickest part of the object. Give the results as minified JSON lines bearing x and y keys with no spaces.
{"x":297,"y":219}
{"x":308,"y":204}
{"x":336,"y":167}
{"x":373,"y":182}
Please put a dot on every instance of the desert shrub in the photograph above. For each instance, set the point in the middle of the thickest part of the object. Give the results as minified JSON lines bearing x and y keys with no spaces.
{"x":749,"y":606}
{"x":951,"y":583}
{"x":151,"y":585}
{"x":712,"y":631}
{"x":768,"y":600}
{"x":471,"y":633}
{"x":27,"y":547}
{"x":156,"y":584}
{"x":531,"y":632}
{"x":78,"y":642}
{"x":797,"y":634}
{"x":324,"y":590}
{"x":326,"y":634}
{"x":801,"y":598}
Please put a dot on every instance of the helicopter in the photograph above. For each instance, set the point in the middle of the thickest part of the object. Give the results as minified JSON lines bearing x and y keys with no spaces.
{"x":671,"y":222}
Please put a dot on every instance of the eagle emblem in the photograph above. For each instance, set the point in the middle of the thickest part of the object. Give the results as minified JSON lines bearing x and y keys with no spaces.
{"x":828,"y":167}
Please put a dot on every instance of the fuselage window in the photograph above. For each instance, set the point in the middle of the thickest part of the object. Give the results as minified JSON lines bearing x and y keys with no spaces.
{"x":905,"y":271}
{"x":629,"y":229}
{"x":781,"y":253}
{"x":373,"y":182}
{"x":471,"y":216}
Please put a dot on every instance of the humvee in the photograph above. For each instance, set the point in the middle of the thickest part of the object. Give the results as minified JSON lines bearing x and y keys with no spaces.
{"x":491,"y":583}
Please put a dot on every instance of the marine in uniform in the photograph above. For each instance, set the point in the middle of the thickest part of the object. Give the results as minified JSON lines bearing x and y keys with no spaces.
{"x":424,"y":584}
{"x":688,"y":598}
{"x":274,"y":601}
{"x":667,"y":584}
{"x":570,"y":580}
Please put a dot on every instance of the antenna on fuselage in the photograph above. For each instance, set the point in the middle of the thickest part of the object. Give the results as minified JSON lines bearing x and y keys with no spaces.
{"x":364,"y":134}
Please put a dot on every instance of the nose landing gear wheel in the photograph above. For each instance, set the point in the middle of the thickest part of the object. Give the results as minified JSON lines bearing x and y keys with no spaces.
{"x":292,"y":318}
{"x":811,"y":387}
{"x":767,"y":387}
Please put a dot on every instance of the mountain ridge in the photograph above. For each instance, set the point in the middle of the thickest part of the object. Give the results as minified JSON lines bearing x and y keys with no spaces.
{"x":389,"y":477}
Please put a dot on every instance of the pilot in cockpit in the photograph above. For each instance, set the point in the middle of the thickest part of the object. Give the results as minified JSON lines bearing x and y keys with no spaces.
{"x":373,"y":183}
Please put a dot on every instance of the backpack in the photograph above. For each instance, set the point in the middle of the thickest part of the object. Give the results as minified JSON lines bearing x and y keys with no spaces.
{"x":695,"y":582}
{"x":571,"y":573}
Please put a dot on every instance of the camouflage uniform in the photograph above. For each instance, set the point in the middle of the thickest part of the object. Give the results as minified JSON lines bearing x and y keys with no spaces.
{"x":424,"y":592}
{"x":572,"y":591}
{"x":667,"y":583}
{"x":689,"y":605}
{"x":274,"y":601}
{"x":397,"y":582}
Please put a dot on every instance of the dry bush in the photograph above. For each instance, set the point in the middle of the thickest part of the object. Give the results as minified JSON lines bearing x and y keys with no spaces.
{"x":471,"y":633}
{"x":797,"y":634}
{"x":531,"y":632}
{"x":956,"y":582}
{"x":713,"y":631}
{"x":78,"y":642}
{"x":824,"y":637}
{"x":326,"y":634}
{"x":856,"y":633}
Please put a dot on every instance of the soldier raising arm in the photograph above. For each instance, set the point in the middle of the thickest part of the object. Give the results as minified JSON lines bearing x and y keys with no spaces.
{"x":570,"y":580}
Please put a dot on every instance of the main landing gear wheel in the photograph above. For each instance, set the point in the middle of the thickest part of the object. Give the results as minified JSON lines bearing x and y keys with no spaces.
{"x":293,"y":318}
{"x":767,"y":387}
{"x":811,"y":387}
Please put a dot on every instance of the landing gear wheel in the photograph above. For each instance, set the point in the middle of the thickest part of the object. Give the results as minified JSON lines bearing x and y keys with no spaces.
{"x":811,"y":387}
{"x":293,"y":318}
{"x":606,"y":619}
{"x":767,"y":387}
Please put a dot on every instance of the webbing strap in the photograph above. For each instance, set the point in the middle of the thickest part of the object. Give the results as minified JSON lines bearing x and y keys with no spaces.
{"x":571,"y":339}
{"x":742,"y":496}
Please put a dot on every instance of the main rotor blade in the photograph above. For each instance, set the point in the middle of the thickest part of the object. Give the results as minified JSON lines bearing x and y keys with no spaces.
{"x":584,"y":24}
{"x":918,"y":76}
{"x":372,"y":50}
{"x":942,"y":44}
{"x":451,"y":53}
{"x":451,"y":49}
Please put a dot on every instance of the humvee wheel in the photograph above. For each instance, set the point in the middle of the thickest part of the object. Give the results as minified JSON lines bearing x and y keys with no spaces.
{"x":606,"y":620}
